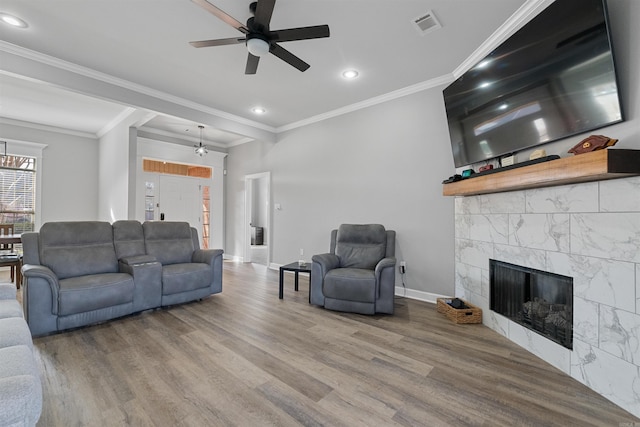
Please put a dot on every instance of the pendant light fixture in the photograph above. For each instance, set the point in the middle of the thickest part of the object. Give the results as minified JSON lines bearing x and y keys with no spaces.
{"x":201,"y":150}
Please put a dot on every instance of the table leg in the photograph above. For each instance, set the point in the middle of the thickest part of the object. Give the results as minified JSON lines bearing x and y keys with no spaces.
{"x":296,"y":288}
{"x":280,"y":292}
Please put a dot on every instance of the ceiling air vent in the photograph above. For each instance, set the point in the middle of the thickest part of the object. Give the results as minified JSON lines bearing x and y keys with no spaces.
{"x":426,"y":22}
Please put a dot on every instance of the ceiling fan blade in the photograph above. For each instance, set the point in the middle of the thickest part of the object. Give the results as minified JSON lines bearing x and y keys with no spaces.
{"x":288,"y":57}
{"x":218,"y":42}
{"x":220,"y":14}
{"x":264,"y":10}
{"x":303,"y":33}
{"x":252,"y":64}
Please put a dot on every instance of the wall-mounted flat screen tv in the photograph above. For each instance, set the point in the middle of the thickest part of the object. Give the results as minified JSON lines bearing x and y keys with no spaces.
{"x":553,"y":78}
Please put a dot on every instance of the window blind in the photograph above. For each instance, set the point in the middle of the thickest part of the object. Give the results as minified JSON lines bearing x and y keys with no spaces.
{"x":17,"y":192}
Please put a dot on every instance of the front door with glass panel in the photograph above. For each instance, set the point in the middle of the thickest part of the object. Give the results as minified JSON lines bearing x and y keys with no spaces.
{"x":179,"y":200}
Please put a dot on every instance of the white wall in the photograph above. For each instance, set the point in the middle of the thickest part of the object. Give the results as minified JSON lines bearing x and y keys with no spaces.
{"x":116,"y":170}
{"x":383,"y":164}
{"x":114,"y":174}
{"x":69,"y":172}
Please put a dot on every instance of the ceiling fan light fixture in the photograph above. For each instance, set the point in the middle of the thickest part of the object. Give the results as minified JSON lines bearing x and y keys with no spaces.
{"x":257,"y":47}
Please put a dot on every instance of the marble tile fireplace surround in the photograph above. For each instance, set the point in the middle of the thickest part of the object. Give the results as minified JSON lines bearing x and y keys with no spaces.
{"x":587,"y":231}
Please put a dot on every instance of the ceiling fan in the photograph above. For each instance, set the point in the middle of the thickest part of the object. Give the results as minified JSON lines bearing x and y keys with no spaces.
{"x":259,"y":39}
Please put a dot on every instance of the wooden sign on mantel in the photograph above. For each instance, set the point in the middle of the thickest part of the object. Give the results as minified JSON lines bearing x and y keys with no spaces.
{"x":595,"y":166}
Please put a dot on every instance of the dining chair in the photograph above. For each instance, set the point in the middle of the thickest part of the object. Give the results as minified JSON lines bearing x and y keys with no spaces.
{"x":8,"y":256}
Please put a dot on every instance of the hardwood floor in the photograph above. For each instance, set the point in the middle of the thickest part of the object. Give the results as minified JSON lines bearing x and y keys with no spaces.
{"x":245,"y":358}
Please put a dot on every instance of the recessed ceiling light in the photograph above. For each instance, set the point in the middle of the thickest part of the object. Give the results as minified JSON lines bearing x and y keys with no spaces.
{"x":12,"y":20}
{"x":258,"y":110}
{"x":350,"y":74}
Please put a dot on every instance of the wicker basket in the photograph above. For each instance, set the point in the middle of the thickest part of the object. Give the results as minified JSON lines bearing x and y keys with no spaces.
{"x":472,"y":314}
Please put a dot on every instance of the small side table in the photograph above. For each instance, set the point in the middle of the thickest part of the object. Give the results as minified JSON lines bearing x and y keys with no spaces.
{"x":296,"y":268}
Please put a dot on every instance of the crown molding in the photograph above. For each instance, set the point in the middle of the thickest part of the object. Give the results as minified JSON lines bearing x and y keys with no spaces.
{"x":240,"y":142}
{"x":419,"y":87}
{"x":106,"y":78}
{"x":47,"y":128}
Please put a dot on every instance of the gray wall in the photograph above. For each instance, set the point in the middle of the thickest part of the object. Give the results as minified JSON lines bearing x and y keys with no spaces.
{"x":69,"y":172}
{"x":383,"y":164}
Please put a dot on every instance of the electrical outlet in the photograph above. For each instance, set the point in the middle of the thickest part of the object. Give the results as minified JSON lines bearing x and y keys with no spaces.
{"x":403,"y":267}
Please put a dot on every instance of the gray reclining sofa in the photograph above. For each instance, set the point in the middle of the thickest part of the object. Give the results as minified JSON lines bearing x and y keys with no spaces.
{"x":84,"y":272}
{"x":20,"y":384}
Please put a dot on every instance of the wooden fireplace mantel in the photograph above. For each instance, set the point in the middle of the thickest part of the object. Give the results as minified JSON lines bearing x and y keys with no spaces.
{"x":594,"y":166}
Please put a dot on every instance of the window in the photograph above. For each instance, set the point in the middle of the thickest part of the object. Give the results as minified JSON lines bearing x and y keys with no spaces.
{"x":149,"y":201}
{"x":170,"y":168}
{"x":206,"y":215}
{"x":18,"y":192}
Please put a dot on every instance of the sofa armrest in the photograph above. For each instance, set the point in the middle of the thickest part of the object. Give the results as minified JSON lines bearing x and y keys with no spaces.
{"x":385,"y":263}
{"x":382,"y":273}
{"x":206,"y":256}
{"x":326,"y":262}
{"x":212,"y":257}
{"x":31,"y":271}
{"x":320,"y":265}
{"x":40,"y":293}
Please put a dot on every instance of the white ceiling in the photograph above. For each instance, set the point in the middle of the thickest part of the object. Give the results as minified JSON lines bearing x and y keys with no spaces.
{"x":84,"y":65}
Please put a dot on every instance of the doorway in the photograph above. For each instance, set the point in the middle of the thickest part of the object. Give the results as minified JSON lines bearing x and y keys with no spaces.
{"x":179,"y":200}
{"x":155,"y":158}
{"x":258,"y":218}
{"x":179,"y":192}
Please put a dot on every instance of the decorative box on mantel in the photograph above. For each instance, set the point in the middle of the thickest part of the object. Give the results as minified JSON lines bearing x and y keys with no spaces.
{"x":594,"y":166}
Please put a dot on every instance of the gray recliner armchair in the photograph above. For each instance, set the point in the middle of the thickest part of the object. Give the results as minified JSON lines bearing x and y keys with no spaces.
{"x":358,"y":275}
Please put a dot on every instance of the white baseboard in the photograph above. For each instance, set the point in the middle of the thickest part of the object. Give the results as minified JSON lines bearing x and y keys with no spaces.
{"x":274,"y":266}
{"x":418,"y":295}
{"x":234,"y":258}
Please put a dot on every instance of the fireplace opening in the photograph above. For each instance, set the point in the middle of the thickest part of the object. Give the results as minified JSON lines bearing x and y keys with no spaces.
{"x":538,"y":300}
